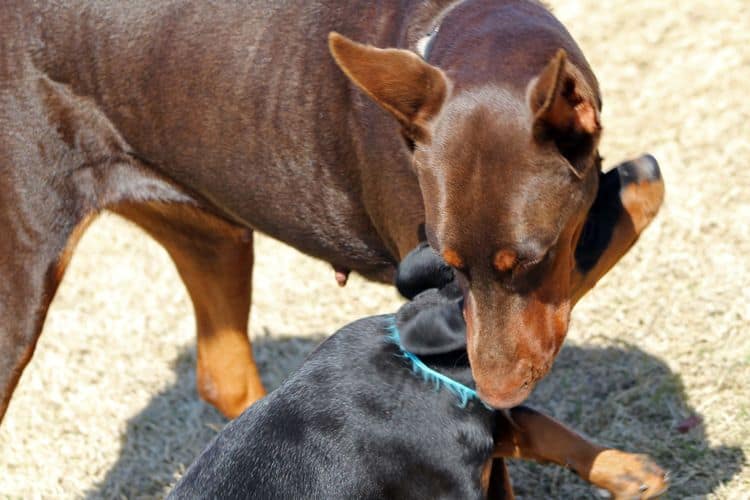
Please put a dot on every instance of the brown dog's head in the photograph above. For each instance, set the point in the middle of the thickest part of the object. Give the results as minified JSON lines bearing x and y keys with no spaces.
{"x":507,"y":178}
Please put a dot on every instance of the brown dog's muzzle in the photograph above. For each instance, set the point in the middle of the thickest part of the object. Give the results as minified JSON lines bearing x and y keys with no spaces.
{"x":507,"y":367}
{"x":512,"y":341}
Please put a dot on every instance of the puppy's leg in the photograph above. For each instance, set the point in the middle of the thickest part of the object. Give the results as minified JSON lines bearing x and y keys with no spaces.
{"x":629,"y":198}
{"x":215,"y":260}
{"x":534,"y":436}
{"x":496,"y":480}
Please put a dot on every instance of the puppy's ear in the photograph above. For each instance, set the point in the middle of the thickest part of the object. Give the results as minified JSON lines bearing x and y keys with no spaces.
{"x":436,"y":330}
{"x":421,"y":270}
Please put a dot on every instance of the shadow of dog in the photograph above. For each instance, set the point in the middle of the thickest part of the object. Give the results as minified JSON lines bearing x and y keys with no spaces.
{"x":619,"y":396}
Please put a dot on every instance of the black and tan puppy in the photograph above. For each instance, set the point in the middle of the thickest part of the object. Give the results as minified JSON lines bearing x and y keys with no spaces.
{"x":362,"y":419}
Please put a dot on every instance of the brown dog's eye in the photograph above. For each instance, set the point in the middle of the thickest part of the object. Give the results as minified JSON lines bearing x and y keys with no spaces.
{"x":525,"y":264}
{"x":529,"y":271}
{"x":528,"y":262}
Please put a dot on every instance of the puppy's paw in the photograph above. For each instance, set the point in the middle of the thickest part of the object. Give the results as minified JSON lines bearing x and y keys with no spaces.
{"x":628,"y":476}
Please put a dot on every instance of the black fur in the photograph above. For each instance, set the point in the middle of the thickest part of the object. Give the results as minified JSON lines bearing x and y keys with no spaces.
{"x":425,"y":269}
{"x":607,"y":208}
{"x":597,"y":230}
{"x":355,"y":422}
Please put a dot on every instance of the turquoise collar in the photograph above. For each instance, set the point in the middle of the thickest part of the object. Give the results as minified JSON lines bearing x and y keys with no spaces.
{"x":464,"y":393}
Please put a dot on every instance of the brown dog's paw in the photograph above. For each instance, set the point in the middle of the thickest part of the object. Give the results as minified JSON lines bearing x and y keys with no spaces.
{"x":628,"y":476}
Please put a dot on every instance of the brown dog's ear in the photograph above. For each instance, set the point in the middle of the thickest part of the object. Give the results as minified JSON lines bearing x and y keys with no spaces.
{"x":398,"y":80}
{"x":564,"y":108}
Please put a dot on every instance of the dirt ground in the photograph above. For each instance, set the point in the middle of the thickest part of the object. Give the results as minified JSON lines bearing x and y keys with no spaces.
{"x":107,"y":408}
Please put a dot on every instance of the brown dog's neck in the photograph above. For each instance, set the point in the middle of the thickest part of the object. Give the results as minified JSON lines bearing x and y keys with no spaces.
{"x":422,"y":18}
{"x":472,"y":44}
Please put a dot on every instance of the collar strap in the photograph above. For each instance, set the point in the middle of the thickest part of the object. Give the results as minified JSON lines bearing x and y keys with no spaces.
{"x":418,"y":367}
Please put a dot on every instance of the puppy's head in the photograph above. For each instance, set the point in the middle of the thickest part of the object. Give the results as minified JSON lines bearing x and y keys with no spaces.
{"x":422,"y":269}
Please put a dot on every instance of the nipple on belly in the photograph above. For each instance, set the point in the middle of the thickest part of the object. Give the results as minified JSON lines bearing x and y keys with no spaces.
{"x":342,"y":275}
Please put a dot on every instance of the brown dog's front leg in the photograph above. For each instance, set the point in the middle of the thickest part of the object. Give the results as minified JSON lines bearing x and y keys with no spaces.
{"x":531,"y":435}
{"x":638,"y":194}
{"x":219,"y":282}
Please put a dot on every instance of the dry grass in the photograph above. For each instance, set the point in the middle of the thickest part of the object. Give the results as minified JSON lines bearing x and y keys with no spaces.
{"x":107,"y":407}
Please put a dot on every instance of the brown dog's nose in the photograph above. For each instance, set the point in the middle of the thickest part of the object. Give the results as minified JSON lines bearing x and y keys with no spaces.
{"x":507,"y":366}
{"x":510,"y":389}
{"x":503,"y":400}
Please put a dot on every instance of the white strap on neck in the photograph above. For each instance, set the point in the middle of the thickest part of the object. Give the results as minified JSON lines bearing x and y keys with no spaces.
{"x":423,"y":44}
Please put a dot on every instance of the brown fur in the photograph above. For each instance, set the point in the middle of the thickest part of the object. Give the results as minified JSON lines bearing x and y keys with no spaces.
{"x":508,"y":168}
{"x":203,"y":122}
{"x":505,"y":260}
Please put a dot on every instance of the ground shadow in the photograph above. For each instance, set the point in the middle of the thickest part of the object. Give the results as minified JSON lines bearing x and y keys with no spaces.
{"x":162,"y":440}
{"x":625,"y":398}
{"x":618,"y":396}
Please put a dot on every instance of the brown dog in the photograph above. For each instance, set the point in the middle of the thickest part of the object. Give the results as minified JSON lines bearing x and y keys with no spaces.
{"x":202,"y":122}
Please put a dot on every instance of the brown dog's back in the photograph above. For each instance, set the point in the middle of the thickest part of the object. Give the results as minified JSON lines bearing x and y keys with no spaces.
{"x":243,"y":103}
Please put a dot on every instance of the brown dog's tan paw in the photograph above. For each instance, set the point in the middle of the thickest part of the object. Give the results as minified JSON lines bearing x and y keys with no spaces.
{"x":628,"y":476}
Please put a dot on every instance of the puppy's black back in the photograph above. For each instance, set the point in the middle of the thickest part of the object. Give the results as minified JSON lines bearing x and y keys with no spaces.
{"x":352,"y":422}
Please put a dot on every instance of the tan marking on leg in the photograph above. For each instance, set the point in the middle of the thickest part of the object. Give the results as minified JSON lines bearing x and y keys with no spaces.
{"x":484,"y":478}
{"x":627,"y":475}
{"x":214,"y":259}
{"x":227,"y":376}
{"x":642,"y":202}
{"x":498,"y":485}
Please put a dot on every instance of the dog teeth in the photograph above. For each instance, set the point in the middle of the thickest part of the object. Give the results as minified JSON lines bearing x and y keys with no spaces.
{"x":643,"y":488}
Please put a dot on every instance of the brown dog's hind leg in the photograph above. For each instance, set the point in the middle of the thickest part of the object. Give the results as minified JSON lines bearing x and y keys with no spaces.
{"x":534,"y":436}
{"x":215,"y":260}
{"x":32,"y":264}
{"x":45,"y":206}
